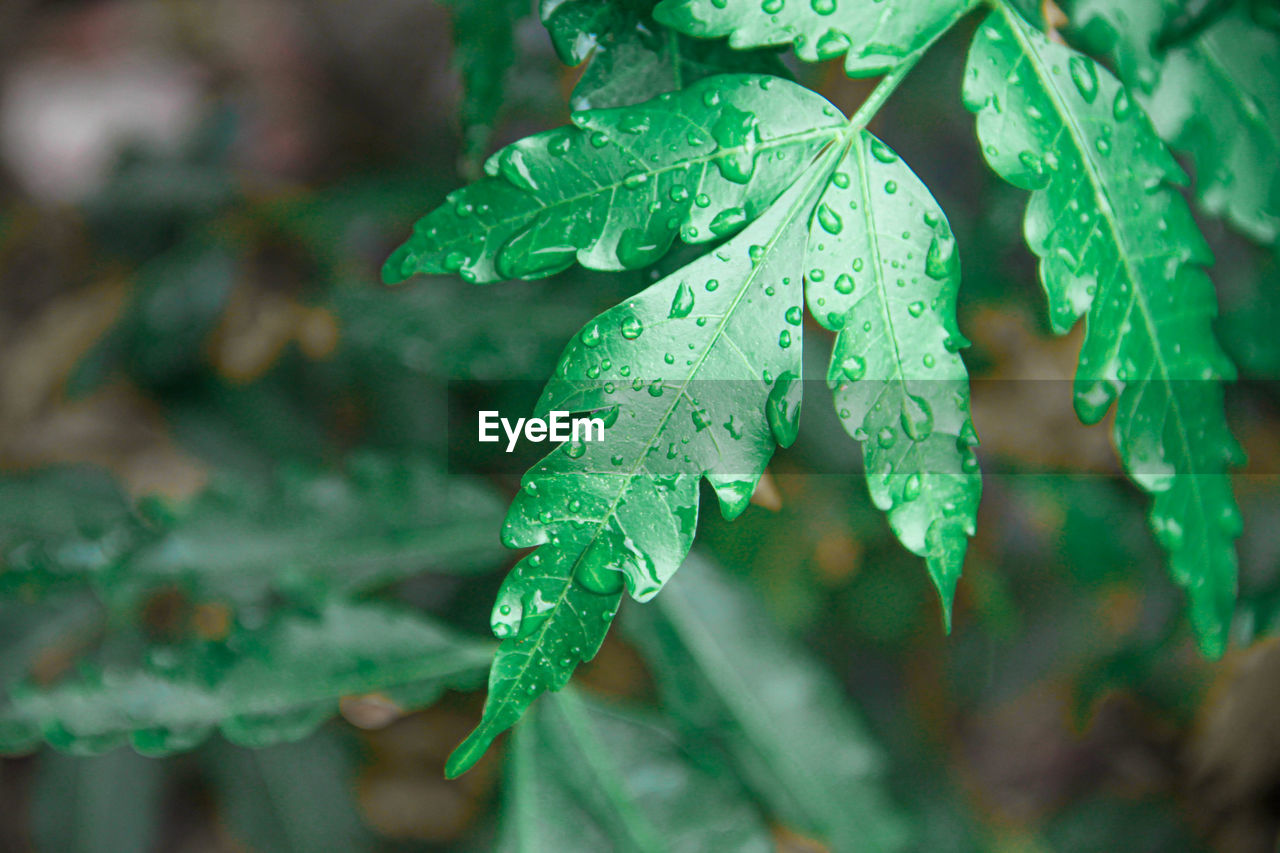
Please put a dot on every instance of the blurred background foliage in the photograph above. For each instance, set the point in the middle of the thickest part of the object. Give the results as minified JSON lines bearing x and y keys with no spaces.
{"x":230,"y":533}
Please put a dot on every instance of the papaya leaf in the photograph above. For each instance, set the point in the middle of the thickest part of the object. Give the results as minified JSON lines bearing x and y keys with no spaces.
{"x":582,"y":778}
{"x":731,"y":676}
{"x":697,"y":376}
{"x":873,"y":37}
{"x":259,"y":686}
{"x":484,"y":50}
{"x":883,"y":273}
{"x":1212,"y":95}
{"x":576,"y":26}
{"x":613,"y":190}
{"x":1117,"y":242}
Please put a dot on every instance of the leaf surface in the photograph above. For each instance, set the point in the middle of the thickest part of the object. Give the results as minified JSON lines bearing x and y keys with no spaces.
{"x":883,"y":272}
{"x":1116,"y":242}
{"x":697,"y":376}
{"x":613,"y":190}
{"x":873,"y":36}
{"x":1215,"y":95}
{"x":585,"y":776}
{"x":729,"y":674}
{"x":266,"y":685}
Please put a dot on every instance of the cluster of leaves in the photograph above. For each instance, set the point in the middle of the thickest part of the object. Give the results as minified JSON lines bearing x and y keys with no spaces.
{"x":699,"y":375}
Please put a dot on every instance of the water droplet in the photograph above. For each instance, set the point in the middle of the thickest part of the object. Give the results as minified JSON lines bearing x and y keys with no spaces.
{"x":882,"y":152}
{"x":890,"y":187}
{"x":886,"y":437}
{"x":782,"y":409}
{"x":840,"y":179}
{"x":917,"y":418}
{"x":929,"y":360}
{"x":634,"y":122}
{"x":756,"y":253}
{"x":844,"y":283}
{"x":682,"y":302}
{"x":911,"y":488}
{"x":915,"y":309}
{"x":591,"y":335}
{"x":575,"y":449}
{"x":1085,"y":75}
{"x":784,"y":339}
{"x":830,"y":44}
{"x":1103,"y":146}
{"x":829,"y":219}
{"x":631,"y":327}
{"x":702,"y":200}
{"x":794,"y":315}
{"x":1122,"y":107}
{"x":638,"y":248}
{"x":941,"y":260}
{"x":513,"y":165}
{"x":772,"y":7}
{"x":854,"y":367}
{"x":727,"y":220}
{"x":700,"y":419}
{"x":655,"y":388}
{"x":736,"y":133}
{"x":599,"y":139}
{"x":823,"y":7}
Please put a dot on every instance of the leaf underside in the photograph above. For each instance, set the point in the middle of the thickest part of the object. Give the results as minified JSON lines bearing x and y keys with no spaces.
{"x":613,"y":191}
{"x":1118,"y":244}
{"x":1213,"y":95}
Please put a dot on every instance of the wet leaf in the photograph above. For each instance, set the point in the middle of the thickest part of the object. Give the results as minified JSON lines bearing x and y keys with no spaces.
{"x":883,"y":272}
{"x":613,"y":190}
{"x":1116,"y":242}
{"x":872,"y":36}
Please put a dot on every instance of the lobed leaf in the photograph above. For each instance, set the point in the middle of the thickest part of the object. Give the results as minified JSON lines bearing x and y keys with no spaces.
{"x":697,"y":376}
{"x":586,"y":776}
{"x":1213,"y":95}
{"x":1117,"y":243}
{"x":613,"y":190}
{"x":884,"y":273}
{"x":730,"y":675}
{"x":873,"y":36}
{"x":262,"y":686}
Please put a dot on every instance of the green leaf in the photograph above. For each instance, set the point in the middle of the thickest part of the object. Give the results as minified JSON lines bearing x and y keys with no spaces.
{"x":697,"y":376}
{"x":103,"y":804}
{"x":873,"y":36}
{"x":260,"y":686}
{"x":646,"y":59}
{"x":585,"y":776}
{"x":726,"y":671}
{"x":291,"y":797}
{"x":883,"y":272}
{"x":1117,"y":242}
{"x":315,"y":530}
{"x":484,"y":50}
{"x":613,"y":190}
{"x":576,"y":26}
{"x":1212,"y":95}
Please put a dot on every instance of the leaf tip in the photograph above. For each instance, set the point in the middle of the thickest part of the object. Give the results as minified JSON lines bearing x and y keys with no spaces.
{"x":471,"y":750}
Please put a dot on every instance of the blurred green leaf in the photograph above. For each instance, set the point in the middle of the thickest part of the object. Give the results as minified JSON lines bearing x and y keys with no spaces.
{"x":729,"y":675}
{"x":259,"y":685}
{"x":104,"y":804}
{"x":587,"y":776}
{"x":289,"y":798}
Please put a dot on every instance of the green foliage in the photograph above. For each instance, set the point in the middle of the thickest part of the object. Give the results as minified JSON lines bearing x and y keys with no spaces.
{"x":1128,"y":254}
{"x":1210,"y":92}
{"x":874,"y":38}
{"x":613,"y":190}
{"x":582,"y":778}
{"x":883,"y":274}
{"x":483,"y":52}
{"x":728,"y":674}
